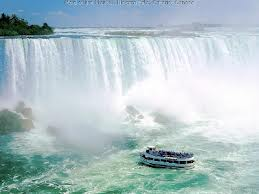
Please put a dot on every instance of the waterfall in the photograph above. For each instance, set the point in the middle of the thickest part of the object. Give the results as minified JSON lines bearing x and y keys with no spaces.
{"x":85,"y":82}
{"x":34,"y":67}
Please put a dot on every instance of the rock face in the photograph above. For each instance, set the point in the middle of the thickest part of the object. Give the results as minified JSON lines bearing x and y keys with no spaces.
{"x":27,"y":124}
{"x":9,"y":121}
{"x":18,"y":120}
{"x":134,"y":115}
{"x":132,"y":111}
{"x":25,"y":111}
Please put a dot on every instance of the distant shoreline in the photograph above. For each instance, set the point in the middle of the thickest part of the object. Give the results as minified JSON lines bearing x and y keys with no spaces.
{"x":204,"y":25}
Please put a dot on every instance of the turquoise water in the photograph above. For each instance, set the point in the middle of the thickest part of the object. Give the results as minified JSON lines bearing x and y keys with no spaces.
{"x":221,"y":167}
{"x":80,"y":80}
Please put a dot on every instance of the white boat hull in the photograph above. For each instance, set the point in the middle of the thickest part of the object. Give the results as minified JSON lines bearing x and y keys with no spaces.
{"x":163,"y":165}
{"x":160,"y":162}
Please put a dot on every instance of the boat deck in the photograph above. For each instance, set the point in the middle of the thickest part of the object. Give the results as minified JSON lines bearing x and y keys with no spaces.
{"x":171,"y":154}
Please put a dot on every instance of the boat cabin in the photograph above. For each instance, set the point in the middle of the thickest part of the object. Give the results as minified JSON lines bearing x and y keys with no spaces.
{"x":166,"y":159}
{"x":151,"y":148}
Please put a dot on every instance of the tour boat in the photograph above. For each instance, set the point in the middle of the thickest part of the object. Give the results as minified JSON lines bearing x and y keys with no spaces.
{"x":166,"y":159}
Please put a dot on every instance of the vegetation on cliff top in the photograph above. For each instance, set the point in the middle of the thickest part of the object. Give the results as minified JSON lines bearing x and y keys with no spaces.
{"x":15,"y":26}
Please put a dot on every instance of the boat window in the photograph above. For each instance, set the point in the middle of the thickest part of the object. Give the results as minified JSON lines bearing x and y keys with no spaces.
{"x":156,"y":159}
{"x":170,"y":161}
{"x":175,"y":161}
{"x":182,"y":162}
{"x":163,"y":160}
{"x":191,"y":161}
{"x":149,"y":158}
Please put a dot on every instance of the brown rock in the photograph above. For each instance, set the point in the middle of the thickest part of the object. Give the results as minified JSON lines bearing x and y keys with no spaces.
{"x":9,"y":121}
{"x":27,"y":124}
{"x":27,"y":112}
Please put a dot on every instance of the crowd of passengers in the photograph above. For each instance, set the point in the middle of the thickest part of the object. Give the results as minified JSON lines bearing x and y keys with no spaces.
{"x":170,"y":161}
{"x":163,"y":153}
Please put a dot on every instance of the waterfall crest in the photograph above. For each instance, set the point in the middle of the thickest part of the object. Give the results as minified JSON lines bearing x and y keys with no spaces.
{"x":37,"y":66}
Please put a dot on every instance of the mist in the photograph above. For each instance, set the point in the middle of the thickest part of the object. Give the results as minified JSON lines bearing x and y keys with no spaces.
{"x":79,"y":93}
{"x":87,"y":120}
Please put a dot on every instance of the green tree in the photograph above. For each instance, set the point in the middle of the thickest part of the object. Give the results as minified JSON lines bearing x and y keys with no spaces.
{"x":13,"y":26}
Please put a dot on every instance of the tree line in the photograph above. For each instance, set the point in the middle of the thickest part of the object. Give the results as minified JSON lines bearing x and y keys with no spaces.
{"x":14,"y":26}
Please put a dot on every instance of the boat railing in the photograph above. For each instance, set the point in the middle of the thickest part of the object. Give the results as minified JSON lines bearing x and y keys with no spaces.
{"x":163,"y":153}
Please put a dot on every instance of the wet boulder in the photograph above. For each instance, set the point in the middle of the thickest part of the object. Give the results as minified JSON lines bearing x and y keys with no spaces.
{"x":131,"y":110}
{"x":18,"y":120}
{"x":24,"y":110}
{"x":27,"y":124}
{"x":9,"y":121}
{"x":27,"y":113}
{"x":133,"y":115}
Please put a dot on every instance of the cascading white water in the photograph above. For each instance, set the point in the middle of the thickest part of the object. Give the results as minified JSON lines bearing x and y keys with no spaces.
{"x":36,"y":67}
{"x":210,"y":75}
